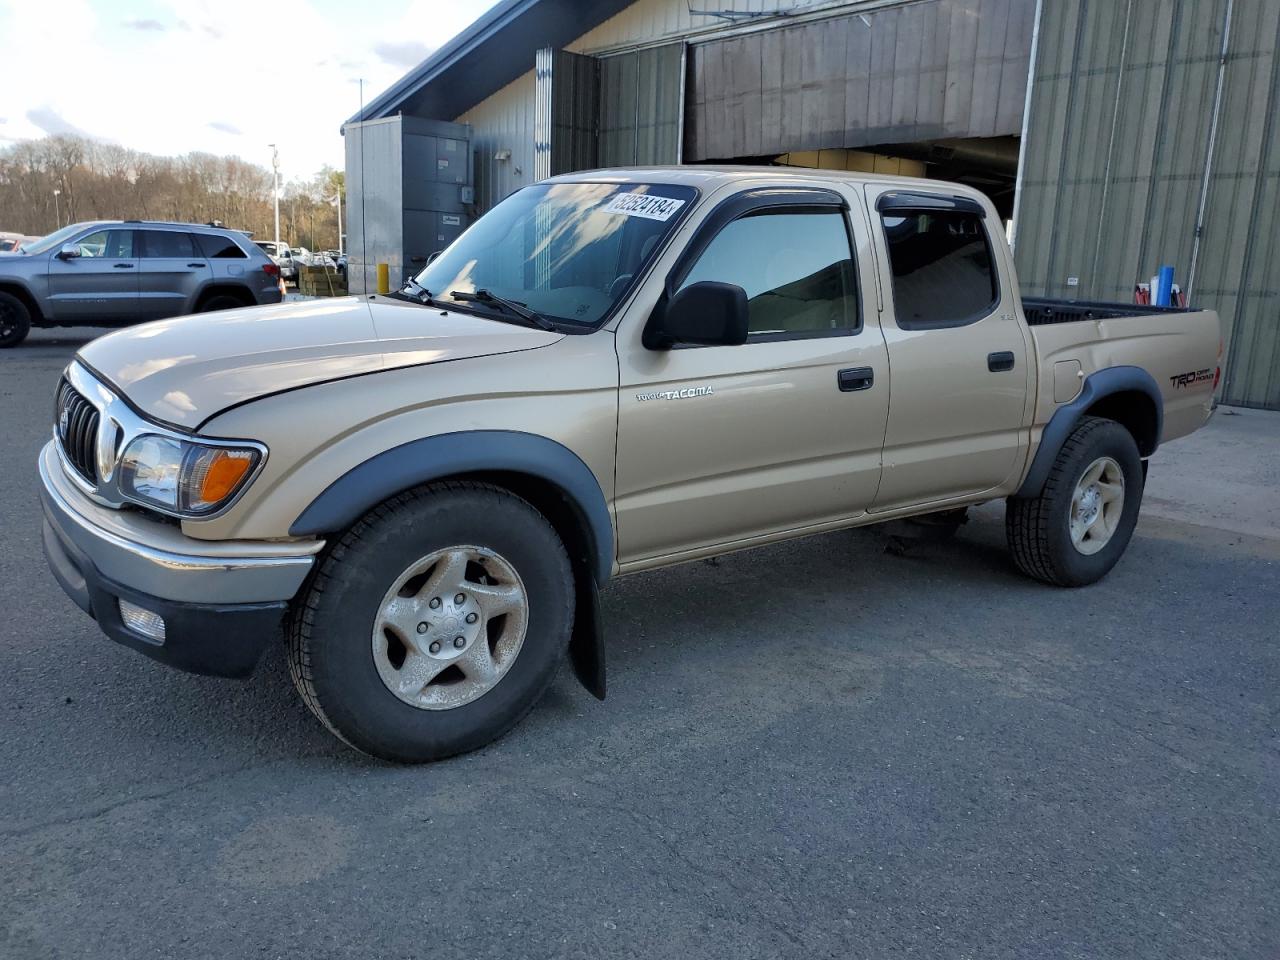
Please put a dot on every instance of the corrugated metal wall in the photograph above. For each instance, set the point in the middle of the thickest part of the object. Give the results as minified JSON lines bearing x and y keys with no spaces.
{"x":1117,"y":153}
{"x":921,"y":71}
{"x":653,"y":21}
{"x":503,"y":122}
{"x":641,"y":108}
{"x":575,"y":113}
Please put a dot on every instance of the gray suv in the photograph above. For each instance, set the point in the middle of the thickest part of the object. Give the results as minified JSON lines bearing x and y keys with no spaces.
{"x":117,"y":273}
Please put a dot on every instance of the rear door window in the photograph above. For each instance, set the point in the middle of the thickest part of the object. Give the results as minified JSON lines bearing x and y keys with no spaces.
{"x":944,"y":273}
{"x":219,"y":248}
{"x":167,"y":244}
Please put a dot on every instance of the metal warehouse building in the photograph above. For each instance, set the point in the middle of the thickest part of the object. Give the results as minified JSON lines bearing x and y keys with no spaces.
{"x":1114,"y":135}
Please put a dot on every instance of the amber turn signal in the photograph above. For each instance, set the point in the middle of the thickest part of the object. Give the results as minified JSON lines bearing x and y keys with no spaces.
{"x":219,"y":476}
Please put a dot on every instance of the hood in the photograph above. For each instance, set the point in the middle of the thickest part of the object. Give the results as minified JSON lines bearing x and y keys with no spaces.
{"x":186,"y":370}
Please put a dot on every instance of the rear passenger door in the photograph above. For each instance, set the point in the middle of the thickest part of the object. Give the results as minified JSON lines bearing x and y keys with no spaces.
{"x":960,"y":398}
{"x":172,"y":270}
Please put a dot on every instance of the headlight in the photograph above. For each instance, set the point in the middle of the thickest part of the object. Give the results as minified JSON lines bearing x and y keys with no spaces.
{"x":184,"y":477}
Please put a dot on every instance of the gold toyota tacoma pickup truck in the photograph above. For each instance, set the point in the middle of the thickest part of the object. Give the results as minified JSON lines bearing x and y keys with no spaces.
{"x":610,"y":372}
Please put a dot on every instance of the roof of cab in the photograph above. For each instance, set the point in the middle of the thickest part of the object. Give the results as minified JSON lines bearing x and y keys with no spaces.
{"x":714,"y":176}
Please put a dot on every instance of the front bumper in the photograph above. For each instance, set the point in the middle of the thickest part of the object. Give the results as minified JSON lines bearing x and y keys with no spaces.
{"x":221,"y":601}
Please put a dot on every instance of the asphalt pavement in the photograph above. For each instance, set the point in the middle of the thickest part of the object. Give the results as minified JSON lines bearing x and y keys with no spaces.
{"x":817,"y":749}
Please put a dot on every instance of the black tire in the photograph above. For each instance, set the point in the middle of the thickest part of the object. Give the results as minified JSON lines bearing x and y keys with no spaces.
{"x":1039,"y":528}
{"x":222,"y":301}
{"x":15,"y":320}
{"x":330,"y":627}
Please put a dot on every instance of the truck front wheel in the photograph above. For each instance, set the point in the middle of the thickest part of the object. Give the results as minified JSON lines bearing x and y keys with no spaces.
{"x":1075,"y":531}
{"x":435,"y":624}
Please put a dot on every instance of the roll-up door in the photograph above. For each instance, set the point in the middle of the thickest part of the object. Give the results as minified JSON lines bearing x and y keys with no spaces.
{"x":642,"y":106}
{"x":899,"y":74}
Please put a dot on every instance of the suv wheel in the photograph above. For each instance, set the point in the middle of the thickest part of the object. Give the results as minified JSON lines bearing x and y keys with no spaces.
{"x":1075,"y":531}
{"x":221,"y":301}
{"x":15,"y":320}
{"x":435,"y":624}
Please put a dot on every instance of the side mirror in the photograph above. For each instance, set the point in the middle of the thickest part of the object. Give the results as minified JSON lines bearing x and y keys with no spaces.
{"x":708,"y":313}
{"x":69,"y":251}
{"x":432,"y":258}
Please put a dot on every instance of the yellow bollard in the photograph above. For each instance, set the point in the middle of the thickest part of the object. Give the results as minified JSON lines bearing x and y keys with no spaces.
{"x":384,"y":278}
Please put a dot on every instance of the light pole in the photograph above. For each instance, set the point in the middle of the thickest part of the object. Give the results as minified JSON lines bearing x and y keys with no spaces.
{"x":275,"y":189}
{"x":337,"y":202}
{"x":57,"y":208}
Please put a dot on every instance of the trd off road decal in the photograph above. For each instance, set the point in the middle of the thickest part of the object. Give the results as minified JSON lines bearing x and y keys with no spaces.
{"x":684,"y":393}
{"x":1180,"y":380}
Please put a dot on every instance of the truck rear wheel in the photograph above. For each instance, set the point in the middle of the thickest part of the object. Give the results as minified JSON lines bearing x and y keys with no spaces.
{"x":435,"y":624}
{"x":1075,"y":531}
{"x":15,"y":320}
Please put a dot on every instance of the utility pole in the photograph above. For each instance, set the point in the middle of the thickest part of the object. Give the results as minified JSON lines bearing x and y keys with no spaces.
{"x":275,"y":189}
{"x":57,"y":208}
{"x":337,"y":202}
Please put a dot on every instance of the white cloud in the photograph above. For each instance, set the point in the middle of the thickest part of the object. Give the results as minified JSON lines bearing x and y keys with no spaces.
{"x":404,"y":54}
{"x":169,"y":76}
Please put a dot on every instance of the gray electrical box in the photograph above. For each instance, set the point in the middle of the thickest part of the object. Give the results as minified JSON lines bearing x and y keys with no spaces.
{"x":409,"y":194}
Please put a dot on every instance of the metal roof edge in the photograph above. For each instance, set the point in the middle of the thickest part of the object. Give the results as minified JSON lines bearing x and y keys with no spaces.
{"x":485,"y":27}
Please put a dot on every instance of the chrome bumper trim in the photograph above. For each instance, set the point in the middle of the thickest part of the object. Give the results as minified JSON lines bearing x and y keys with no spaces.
{"x":156,"y":559}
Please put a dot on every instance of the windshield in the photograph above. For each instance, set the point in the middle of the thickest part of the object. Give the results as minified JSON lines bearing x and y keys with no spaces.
{"x":55,"y":239}
{"x":568,"y":251}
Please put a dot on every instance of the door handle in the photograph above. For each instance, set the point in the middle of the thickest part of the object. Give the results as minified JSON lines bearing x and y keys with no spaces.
{"x":123,"y":266}
{"x":195,"y":265}
{"x":1000,"y":362}
{"x":855,"y":378}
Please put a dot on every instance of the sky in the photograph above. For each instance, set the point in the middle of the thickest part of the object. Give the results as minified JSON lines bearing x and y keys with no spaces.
{"x":228,"y":77}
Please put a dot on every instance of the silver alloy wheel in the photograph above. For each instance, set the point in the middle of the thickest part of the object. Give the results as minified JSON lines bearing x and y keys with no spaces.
{"x":1097,"y":505}
{"x":450,"y":627}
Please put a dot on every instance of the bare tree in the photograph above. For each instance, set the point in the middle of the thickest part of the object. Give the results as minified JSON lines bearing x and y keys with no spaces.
{"x":105,"y":181}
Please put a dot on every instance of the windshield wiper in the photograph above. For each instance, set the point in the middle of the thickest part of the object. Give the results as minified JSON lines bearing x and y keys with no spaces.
{"x":511,"y":306}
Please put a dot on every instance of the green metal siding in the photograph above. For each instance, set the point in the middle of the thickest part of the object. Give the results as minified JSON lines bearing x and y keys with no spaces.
{"x":640,"y":106}
{"x":1116,"y":155}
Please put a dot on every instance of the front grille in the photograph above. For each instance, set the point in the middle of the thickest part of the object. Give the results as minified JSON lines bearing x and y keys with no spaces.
{"x":76,"y":425}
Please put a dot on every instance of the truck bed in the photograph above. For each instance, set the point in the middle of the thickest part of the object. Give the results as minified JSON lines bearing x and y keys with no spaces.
{"x":1043,"y":310}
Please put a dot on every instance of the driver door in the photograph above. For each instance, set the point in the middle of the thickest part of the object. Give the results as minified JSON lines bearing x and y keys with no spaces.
{"x":100,"y":286}
{"x":722,"y":445}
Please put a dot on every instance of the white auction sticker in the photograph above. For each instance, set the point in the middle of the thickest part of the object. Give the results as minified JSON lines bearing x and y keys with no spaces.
{"x":643,"y":205}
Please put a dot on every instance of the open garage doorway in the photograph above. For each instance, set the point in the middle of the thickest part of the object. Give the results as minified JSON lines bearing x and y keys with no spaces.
{"x":918,"y":89}
{"x":988,"y":164}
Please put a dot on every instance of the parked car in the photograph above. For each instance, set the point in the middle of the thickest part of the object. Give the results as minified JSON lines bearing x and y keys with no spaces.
{"x":428,"y":489}
{"x":116,"y":273}
{"x":11,"y":242}
{"x":282,"y":255}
